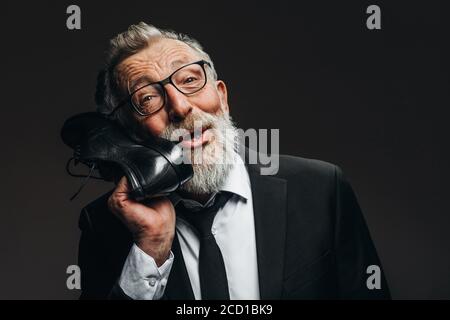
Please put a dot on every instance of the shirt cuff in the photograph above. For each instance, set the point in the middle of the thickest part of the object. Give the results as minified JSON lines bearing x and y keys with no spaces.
{"x":141,"y":279}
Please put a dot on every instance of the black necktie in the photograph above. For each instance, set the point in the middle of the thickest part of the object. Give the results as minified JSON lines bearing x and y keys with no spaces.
{"x":213,"y":277}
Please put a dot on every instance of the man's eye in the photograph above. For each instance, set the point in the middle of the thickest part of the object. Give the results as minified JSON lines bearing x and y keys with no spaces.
{"x":147,"y":99}
{"x":190,"y":79}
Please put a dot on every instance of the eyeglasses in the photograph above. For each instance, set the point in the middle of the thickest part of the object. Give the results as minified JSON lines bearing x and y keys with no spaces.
{"x":151,"y":97}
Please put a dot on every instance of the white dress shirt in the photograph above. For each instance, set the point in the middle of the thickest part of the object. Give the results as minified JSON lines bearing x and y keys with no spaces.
{"x":234,"y":231}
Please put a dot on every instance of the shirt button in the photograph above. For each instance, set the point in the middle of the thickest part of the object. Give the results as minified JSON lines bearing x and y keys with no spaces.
{"x":152,"y":281}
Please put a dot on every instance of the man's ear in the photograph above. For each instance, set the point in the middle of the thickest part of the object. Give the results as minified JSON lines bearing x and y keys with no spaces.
{"x":223,"y":94}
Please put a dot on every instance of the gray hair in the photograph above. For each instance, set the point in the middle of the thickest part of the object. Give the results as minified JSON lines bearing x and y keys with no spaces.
{"x":138,"y":36}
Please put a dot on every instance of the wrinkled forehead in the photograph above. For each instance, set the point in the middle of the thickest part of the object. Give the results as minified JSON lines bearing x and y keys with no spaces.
{"x":154,"y":63}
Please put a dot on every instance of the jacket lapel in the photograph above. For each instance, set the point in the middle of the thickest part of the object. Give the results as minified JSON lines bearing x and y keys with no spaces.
{"x":269,"y":195}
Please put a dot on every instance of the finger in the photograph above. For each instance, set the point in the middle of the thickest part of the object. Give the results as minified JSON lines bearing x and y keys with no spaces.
{"x":119,"y":198}
{"x":122,"y":189}
{"x":122,"y":185}
{"x":122,"y":192}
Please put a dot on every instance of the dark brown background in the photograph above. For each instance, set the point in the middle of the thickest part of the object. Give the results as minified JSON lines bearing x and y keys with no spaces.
{"x":374,"y":102}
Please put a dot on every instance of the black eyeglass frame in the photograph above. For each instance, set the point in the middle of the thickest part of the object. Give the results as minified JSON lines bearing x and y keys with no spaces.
{"x":162,"y":83}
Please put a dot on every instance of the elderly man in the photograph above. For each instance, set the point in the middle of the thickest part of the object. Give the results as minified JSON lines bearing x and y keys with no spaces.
{"x":229,"y":232}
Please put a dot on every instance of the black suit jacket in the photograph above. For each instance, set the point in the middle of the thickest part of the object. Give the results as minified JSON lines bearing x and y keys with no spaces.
{"x":311,"y":237}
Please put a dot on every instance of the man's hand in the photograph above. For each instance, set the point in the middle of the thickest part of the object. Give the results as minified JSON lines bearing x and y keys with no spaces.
{"x":152,"y":225}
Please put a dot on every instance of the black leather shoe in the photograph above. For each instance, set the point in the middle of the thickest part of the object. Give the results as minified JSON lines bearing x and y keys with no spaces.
{"x":152,"y":169}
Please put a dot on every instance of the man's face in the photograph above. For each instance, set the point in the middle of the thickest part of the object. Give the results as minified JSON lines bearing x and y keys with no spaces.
{"x":156,"y":63}
{"x":207,"y":108}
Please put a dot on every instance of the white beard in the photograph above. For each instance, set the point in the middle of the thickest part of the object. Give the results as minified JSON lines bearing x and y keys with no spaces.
{"x":211,"y":163}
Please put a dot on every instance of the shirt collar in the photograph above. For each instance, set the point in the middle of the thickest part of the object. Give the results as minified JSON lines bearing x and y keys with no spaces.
{"x":238,"y":181}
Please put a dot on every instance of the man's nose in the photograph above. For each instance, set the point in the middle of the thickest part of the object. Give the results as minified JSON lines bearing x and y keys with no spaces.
{"x":178,"y":105}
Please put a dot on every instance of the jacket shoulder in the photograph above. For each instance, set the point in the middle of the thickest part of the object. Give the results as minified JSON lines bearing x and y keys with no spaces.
{"x":99,"y":203}
{"x":304,"y":168}
{"x":96,"y":214}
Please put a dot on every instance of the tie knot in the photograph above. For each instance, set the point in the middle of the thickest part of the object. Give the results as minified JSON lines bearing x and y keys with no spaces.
{"x":203,"y":219}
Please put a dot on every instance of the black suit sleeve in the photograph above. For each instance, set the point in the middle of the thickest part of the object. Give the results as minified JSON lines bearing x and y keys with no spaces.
{"x":354,"y":248}
{"x":97,"y":279}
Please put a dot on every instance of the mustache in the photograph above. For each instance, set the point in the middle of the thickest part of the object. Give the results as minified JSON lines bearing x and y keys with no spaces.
{"x":195,"y":119}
